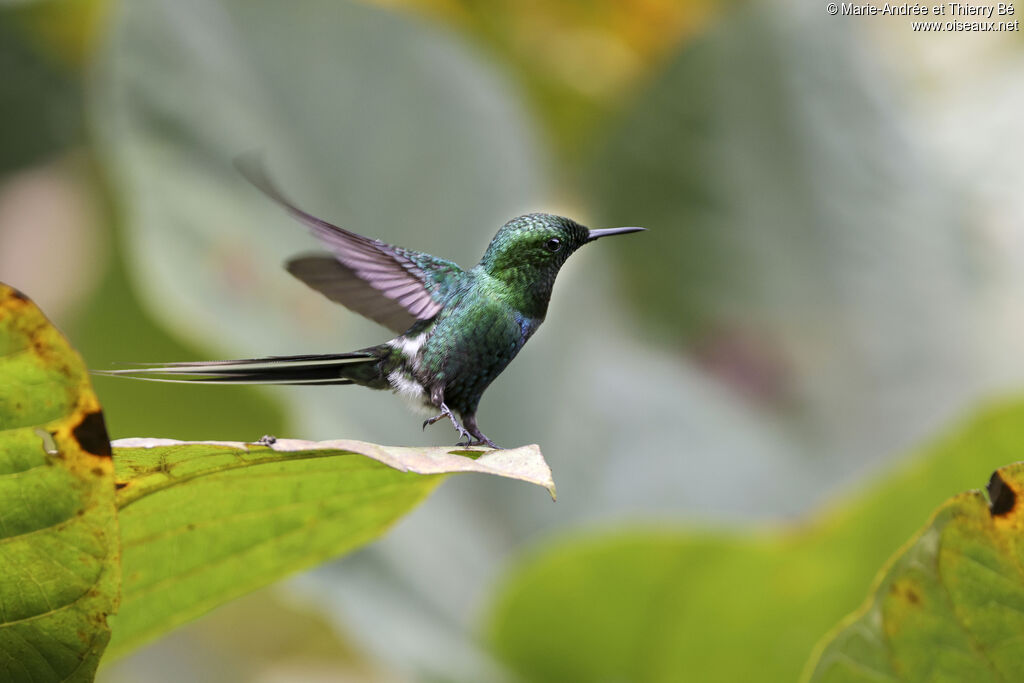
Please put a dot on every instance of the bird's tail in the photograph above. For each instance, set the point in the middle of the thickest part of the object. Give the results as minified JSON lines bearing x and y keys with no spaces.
{"x":357,"y":367}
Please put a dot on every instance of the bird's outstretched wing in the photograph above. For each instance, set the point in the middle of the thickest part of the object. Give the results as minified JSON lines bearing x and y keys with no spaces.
{"x":387,"y":284}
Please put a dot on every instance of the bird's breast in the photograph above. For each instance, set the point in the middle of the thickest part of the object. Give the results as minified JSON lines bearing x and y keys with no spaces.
{"x":473,"y":346}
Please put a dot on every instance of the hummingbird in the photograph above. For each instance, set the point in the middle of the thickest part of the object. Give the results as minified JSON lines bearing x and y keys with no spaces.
{"x":457,"y":329}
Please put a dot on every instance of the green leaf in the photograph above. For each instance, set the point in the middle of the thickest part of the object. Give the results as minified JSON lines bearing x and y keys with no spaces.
{"x":204,"y":522}
{"x":949,"y":606}
{"x":670,"y":603}
{"x":59,"y":566}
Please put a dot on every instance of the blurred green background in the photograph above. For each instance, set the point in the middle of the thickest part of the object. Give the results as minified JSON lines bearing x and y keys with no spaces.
{"x":832,"y":275}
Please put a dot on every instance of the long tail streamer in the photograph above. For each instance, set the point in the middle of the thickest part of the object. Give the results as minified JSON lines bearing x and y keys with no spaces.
{"x":307,"y":369}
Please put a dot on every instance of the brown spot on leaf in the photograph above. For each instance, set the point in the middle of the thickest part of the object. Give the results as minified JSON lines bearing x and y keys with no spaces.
{"x":900,"y":590}
{"x":17,"y":294}
{"x":120,"y":485}
{"x":1002,"y":497}
{"x":91,"y":434}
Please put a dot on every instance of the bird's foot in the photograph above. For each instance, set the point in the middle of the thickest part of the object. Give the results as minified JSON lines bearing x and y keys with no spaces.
{"x":479,"y":438}
{"x":446,"y":412}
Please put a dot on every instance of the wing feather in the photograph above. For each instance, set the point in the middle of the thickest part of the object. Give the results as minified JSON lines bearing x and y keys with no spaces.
{"x":387,"y":284}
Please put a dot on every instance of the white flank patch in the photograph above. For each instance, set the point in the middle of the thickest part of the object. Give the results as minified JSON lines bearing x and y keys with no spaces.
{"x":409,"y":347}
{"x":412,"y":391}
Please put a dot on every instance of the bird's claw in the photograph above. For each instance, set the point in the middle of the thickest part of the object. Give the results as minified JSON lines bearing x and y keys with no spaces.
{"x":472,"y":436}
{"x":446,"y":412}
{"x":479,"y":438}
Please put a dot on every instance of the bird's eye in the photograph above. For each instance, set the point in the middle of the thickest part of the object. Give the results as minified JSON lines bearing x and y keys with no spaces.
{"x":553,"y":244}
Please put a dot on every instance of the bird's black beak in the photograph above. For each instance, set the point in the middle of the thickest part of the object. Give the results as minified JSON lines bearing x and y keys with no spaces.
{"x":604,"y":232}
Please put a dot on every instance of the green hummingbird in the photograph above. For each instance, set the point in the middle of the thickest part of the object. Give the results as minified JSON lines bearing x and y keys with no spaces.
{"x":457,"y":329}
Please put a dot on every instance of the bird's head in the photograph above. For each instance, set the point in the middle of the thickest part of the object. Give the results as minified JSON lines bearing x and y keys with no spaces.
{"x":529,"y":250}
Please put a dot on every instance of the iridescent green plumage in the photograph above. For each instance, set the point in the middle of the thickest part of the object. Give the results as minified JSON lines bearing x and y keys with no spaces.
{"x":459,"y":329}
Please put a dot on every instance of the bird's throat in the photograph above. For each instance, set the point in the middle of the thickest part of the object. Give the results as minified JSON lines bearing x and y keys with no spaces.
{"x":525,"y":289}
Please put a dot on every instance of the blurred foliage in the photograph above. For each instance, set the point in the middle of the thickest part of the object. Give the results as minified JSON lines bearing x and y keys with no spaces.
{"x":669,"y":604}
{"x":66,"y":30}
{"x":58,"y":528}
{"x":578,"y":61}
{"x":43,"y":46}
{"x":266,"y":634}
{"x":950,"y":605}
{"x":114,"y":329}
{"x":777,"y":208}
{"x":39,"y":101}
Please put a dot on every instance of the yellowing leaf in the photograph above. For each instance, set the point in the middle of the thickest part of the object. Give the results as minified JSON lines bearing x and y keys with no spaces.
{"x":58,"y":528}
{"x":950,"y":605}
